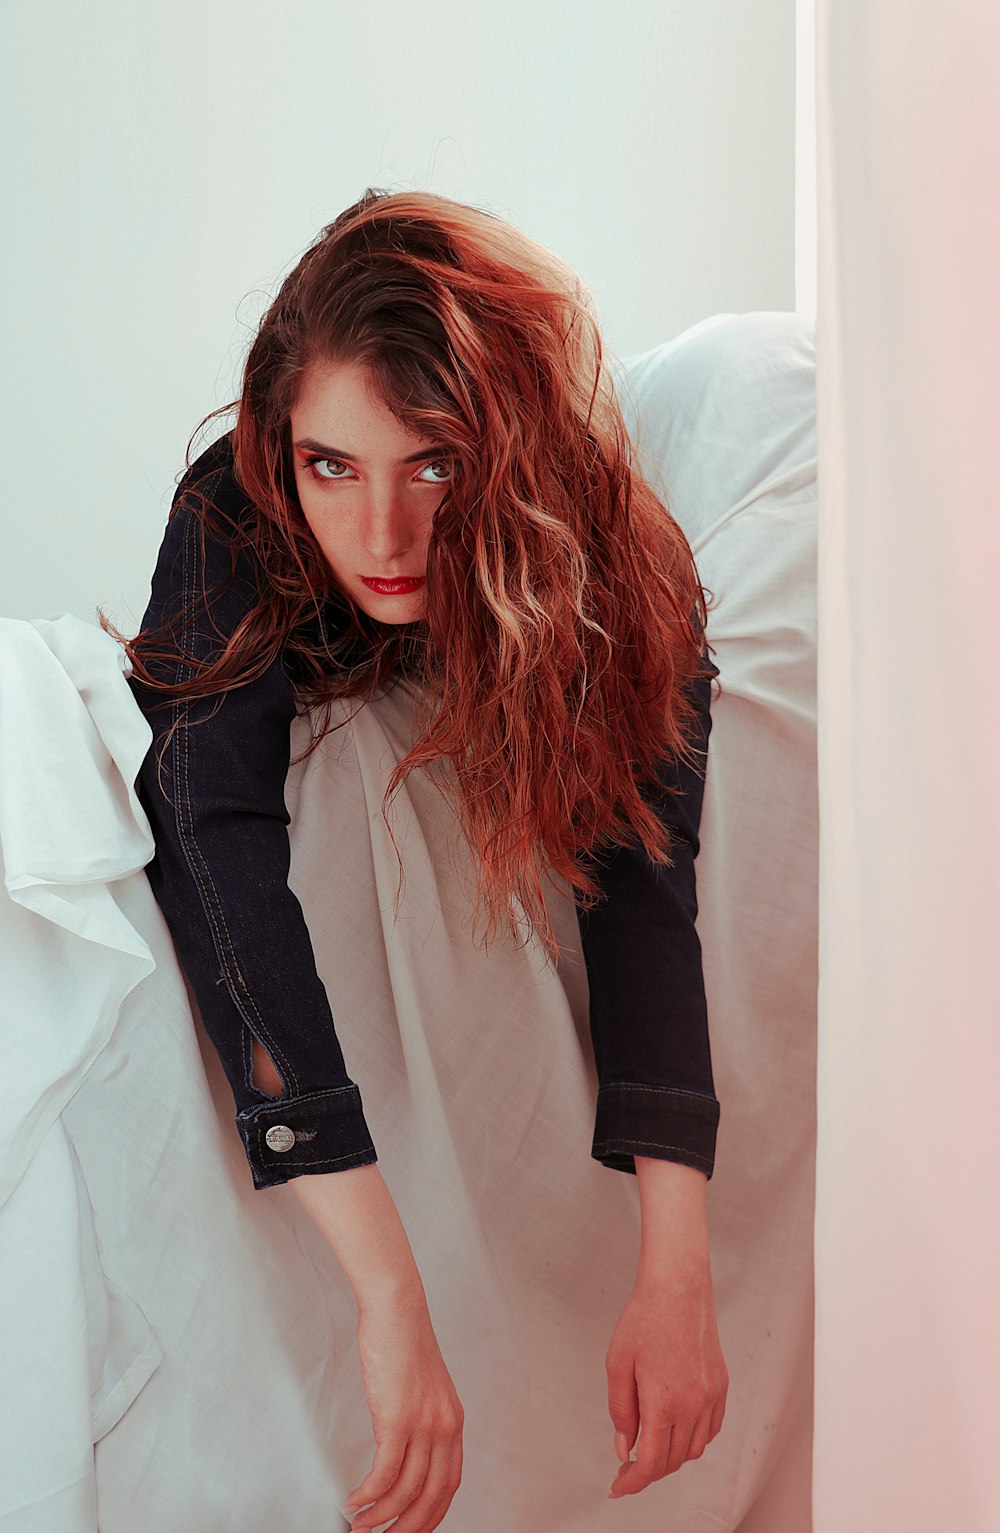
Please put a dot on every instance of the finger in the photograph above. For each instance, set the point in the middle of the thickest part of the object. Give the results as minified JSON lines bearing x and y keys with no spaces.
{"x":381,"y":1476}
{"x":457,"y":1459}
{"x":434,"y":1499}
{"x":649,"y":1463}
{"x":623,"y":1408}
{"x":701,"y":1434}
{"x":409,"y":1483}
{"x":718,"y":1414}
{"x":680,"y":1443}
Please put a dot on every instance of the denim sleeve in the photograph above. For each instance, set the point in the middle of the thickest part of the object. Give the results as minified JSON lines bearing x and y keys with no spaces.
{"x":648,"y":1012}
{"x":220,"y":872}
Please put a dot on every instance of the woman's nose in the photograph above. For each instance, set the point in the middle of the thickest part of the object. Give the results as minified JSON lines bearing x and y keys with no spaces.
{"x":388,"y":529}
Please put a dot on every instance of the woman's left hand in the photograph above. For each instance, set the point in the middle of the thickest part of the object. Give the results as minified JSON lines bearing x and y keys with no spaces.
{"x":666,"y":1373}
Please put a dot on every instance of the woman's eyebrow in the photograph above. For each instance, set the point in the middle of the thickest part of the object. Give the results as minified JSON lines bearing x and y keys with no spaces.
{"x":309,"y":444}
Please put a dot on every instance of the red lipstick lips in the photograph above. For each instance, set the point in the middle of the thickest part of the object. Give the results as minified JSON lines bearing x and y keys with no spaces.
{"x":400,"y":587}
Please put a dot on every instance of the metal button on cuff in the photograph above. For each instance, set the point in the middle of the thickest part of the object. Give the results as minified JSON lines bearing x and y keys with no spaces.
{"x":320,"y":1130}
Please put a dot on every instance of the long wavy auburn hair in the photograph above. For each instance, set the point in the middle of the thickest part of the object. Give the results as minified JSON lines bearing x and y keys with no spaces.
{"x":564,"y":614}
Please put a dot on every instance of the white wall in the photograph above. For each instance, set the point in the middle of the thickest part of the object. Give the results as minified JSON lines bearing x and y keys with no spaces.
{"x":164,"y":164}
{"x":806,"y":208}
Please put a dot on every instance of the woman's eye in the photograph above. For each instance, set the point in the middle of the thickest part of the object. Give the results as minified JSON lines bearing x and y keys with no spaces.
{"x":319,"y":467}
{"x":441,"y":463}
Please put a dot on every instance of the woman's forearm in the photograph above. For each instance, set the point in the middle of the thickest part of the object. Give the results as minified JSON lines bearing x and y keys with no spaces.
{"x":356,"y":1214}
{"x":672,"y":1199}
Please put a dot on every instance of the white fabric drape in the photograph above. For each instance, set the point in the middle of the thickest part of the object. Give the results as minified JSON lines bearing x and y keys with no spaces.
{"x":184,"y":1354}
{"x":908,"y":1170}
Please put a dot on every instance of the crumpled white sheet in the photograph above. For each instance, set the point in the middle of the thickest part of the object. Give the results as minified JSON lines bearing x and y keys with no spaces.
{"x":180,"y":1348}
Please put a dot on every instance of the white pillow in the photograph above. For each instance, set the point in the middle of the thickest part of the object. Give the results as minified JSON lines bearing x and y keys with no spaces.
{"x":725,"y":415}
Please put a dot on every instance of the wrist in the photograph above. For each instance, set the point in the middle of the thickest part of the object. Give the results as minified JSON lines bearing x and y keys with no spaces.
{"x":672,"y":1199}
{"x":686,"y":1262}
{"x":355,"y":1212}
{"x":395,"y":1293}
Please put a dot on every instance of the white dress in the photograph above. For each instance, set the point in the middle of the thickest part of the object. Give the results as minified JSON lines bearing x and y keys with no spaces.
{"x":179,"y":1349}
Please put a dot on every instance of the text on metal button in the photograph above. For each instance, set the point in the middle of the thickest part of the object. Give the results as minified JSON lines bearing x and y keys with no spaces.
{"x":279,"y":1137}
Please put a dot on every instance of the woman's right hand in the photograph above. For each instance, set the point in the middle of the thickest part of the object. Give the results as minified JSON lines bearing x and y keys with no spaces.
{"x":416,"y":1414}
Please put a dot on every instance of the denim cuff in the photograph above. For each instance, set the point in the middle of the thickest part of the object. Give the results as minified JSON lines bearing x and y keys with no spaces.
{"x":317,"y":1131}
{"x":663,"y":1122}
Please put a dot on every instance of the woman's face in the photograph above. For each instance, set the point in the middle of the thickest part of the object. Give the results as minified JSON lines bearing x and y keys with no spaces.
{"x":368,"y":489}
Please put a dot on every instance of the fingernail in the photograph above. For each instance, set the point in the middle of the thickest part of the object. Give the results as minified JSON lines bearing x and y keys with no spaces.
{"x":621,"y":1445}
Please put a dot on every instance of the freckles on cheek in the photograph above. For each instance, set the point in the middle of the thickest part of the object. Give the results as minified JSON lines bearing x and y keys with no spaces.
{"x":318,"y":524}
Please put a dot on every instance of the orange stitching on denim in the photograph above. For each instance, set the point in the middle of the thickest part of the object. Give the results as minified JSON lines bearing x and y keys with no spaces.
{"x":320,"y":1094}
{"x":613,"y":1145}
{"x":675,"y":1090}
{"x":197,"y":863}
{"x":330,"y":1160}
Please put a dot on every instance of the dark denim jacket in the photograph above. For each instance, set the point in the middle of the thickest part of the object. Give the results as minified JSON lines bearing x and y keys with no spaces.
{"x":220,"y":875}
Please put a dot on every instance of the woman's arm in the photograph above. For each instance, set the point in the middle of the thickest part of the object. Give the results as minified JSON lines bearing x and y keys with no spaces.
{"x":665,"y":1366}
{"x":657,"y":1115}
{"x":672,"y":1199}
{"x":648,"y":1012}
{"x":416,"y":1413}
{"x":220,"y":873}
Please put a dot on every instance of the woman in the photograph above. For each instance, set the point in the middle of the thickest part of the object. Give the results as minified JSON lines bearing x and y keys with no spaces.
{"x":429,"y":485}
